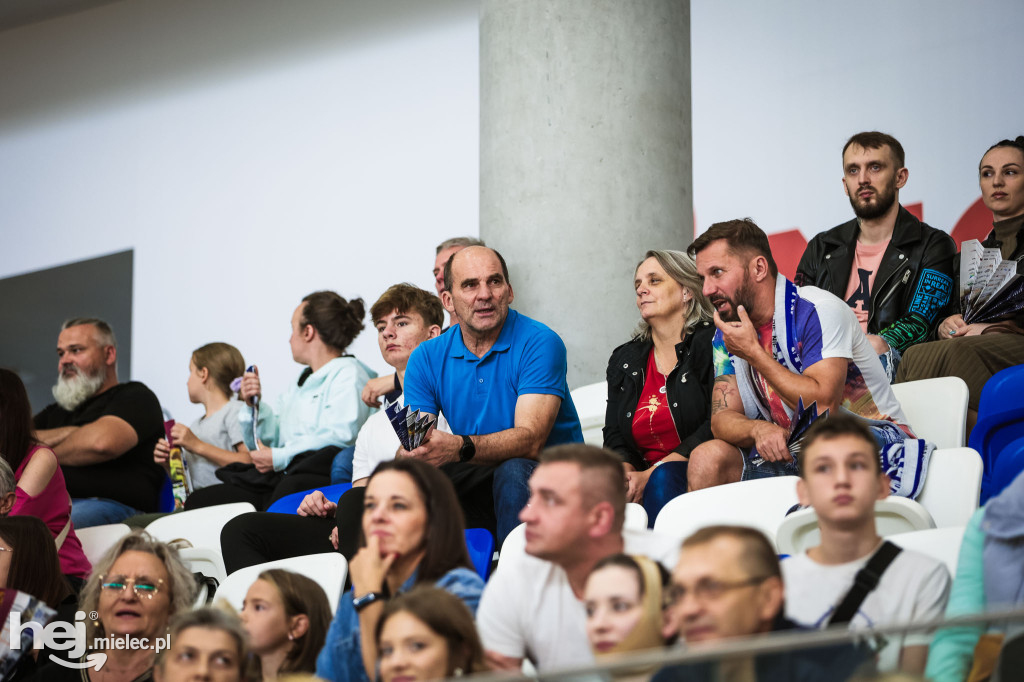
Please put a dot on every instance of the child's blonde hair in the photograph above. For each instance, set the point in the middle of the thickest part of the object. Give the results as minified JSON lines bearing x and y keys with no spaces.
{"x":223,"y":361}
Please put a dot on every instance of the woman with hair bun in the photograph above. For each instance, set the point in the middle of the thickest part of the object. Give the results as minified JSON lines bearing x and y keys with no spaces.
{"x":312,"y":422}
{"x":975,"y":352}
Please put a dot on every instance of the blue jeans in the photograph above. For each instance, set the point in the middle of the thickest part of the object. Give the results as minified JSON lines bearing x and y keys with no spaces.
{"x":341,"y":467}
{"x":890,"y":363}
{"x":97,"y":511}
{"x":511,"y":493}
{"x":667,"y":481}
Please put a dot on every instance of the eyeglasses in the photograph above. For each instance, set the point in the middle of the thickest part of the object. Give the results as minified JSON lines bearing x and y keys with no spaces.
{"x":709,"y":589}
{"x":142,"y":587}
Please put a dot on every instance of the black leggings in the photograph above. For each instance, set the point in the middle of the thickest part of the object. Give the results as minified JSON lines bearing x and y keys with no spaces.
{"x":258,"y":537}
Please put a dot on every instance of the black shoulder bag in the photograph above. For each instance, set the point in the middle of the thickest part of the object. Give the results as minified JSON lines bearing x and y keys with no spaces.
{"x":864,"y":582}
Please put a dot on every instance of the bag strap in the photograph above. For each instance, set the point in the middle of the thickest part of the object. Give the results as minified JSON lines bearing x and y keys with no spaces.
{"x":864,"y":582}
{"x":63,"y":535}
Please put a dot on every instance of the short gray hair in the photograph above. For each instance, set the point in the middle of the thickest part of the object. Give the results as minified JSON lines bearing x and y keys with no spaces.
{"x":682,"y":268}
{"x":181,"y":583}
{"x":459,"y":241}
{"x":104,"y":333}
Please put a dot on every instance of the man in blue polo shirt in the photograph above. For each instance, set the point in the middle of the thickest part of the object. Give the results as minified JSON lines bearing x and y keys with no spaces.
{"x":499,"y":379}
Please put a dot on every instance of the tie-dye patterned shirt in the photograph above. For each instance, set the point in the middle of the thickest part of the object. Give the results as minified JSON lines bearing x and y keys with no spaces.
{"x":827,"y":328}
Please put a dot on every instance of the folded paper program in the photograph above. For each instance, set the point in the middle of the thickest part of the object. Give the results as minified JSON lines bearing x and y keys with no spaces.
{"x":411,"y":427}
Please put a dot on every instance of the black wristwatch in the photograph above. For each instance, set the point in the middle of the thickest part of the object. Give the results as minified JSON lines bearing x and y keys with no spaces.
{"x":360,"y":603}
{"x":467,"y":450}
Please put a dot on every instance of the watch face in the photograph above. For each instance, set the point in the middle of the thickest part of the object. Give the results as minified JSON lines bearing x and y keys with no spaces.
{"x":467,"y":450}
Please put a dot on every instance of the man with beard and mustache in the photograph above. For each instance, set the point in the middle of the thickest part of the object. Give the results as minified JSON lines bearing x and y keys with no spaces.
{"x":775,"y":345}
{"x":102,"y":431}
{"x":893,"y":270}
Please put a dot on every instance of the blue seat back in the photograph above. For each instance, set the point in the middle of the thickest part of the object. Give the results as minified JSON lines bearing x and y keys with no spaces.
{"x":1007,"y":466}
{"x":1002,"y":392}
{"x":480,"y":543}
{"x":166,"y":503}
{"x":289,"y":504}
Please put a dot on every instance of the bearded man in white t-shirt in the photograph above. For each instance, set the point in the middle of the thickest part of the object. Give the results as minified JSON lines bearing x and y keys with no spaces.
{"x":841,"y":479}
{"x":532,"y":607}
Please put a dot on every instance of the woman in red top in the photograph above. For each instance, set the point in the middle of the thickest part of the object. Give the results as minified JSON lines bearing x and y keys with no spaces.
{"x":659,"y":383}
{"x":41,"y":491}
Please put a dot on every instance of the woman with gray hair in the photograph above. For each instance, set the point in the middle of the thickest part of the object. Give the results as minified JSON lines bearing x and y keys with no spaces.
{"x":134,"y":590}
{"x":659,"y":383}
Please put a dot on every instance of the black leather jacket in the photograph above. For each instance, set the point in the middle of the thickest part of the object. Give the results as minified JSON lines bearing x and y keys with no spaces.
{"x":912,"y":288}
{"x":688,"y":389}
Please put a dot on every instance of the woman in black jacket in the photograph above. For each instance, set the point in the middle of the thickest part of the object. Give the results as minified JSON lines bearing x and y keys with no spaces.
{"x":659,"y":383}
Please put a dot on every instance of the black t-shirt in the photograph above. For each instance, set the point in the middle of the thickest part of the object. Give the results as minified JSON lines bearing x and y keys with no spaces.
{"x":133,"y":478}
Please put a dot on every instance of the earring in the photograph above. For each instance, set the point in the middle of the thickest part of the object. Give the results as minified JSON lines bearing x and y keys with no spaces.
{"x":291,"y":637}
{"x":457,"y":672}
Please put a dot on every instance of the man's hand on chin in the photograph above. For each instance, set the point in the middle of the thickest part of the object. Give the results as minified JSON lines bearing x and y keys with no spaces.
{"x":740,"y":337}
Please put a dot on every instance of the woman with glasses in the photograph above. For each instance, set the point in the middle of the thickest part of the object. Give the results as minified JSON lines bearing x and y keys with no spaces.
{"x":133,"y":592}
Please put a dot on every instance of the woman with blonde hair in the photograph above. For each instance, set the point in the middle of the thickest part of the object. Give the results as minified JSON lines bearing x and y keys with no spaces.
{"x":659,"y":383}
{"x":625,"y":600}
{"x":215,"y":439}
{"x":134,"y":591}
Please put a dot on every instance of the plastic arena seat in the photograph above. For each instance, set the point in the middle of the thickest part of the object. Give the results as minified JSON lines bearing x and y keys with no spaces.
{"x":480,"y":544}
{"x":328,"y":569}
{"x":760,"y":504}
{"x":1000,"y":430}
{"x":201,"y":527}
{"x":289,"y":504}
{"x":96,"y":540}
{"x":936,"y":409}
{"x":636,"y":516}
{"x":942,"y":544}
{"x":591,"y":402}
{"x":952,"y":486}
{"x":799,"y":531}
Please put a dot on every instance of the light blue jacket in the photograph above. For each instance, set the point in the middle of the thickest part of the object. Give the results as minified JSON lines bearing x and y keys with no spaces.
{"x":325,"y":410}
{"x":952,"y":650}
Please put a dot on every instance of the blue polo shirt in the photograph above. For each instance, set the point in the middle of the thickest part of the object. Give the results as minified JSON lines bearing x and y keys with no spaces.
{"x":478,"y":395}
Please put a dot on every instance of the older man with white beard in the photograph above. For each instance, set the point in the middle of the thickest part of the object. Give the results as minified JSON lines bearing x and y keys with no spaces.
{"x":102,"y":431}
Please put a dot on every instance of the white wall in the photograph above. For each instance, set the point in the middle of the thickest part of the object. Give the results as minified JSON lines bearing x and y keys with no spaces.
{"x":778,"y":88}
{"x":251,"y":151}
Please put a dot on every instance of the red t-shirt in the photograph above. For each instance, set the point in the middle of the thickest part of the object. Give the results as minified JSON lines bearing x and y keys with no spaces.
{"x":654,"y":430}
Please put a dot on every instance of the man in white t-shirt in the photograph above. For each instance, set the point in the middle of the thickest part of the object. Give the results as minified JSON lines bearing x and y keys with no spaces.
{"x":776,"y":344}
{"x":532,"y":607}
{"x":841,"y":479}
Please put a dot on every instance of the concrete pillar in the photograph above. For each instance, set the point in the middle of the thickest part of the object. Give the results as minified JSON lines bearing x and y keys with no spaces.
{"x":585,"y":157}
